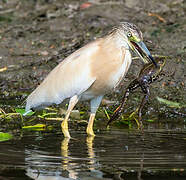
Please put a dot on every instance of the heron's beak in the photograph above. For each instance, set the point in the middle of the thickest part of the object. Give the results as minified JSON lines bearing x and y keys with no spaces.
{"x":141,"y":49}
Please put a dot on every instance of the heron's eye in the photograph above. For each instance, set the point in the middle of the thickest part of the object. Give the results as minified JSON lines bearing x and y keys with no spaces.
{"x":129,"y":34}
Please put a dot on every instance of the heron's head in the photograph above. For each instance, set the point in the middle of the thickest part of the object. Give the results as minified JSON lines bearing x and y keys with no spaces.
{"x":134,"y":39}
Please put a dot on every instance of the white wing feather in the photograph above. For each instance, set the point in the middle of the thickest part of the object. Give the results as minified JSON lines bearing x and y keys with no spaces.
{"x":71,"y":77}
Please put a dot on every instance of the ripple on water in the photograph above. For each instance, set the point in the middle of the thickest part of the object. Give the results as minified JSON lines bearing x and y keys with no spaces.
{"x":109,"y":153}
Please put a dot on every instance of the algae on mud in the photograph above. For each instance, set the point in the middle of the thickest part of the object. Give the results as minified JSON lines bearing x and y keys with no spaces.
{"x":5,"y":136}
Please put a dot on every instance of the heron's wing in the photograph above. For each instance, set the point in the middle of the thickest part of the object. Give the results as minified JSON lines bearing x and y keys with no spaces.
{"x":71,"y":77}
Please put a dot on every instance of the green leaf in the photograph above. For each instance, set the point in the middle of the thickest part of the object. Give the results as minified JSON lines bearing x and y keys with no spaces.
{"x":106,"y":113}
{"x":22,"y":111}
{"x":46,"y":114}
{"x":169,"y":103}
{"x":37,"y":127}
{"x":150,"y":120}
{"x":5,"y":136}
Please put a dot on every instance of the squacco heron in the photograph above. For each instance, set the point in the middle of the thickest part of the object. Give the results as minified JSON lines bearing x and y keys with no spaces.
{"x":90,"y":72}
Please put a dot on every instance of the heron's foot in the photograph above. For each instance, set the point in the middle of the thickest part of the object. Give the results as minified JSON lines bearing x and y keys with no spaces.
{"x":64,"y":128}
{"x":90,"y":131}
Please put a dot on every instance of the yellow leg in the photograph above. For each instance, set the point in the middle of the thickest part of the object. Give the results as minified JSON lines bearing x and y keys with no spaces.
{"x":94,"y":103}
{"x":90,"y":131}
{"x":64,"y":128}
{"x":64,"y":124}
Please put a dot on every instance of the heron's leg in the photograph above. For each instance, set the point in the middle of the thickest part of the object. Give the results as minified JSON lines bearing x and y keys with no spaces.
{"x":94,"y":104}
{"x":64,"y":125}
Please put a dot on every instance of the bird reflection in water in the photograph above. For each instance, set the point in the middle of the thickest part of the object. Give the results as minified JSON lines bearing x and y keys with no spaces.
{"x":91,"y":153}
{"x":68,"y":165}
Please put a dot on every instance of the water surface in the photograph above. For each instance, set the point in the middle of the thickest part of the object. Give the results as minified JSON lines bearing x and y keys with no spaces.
{"x":114,"y":154}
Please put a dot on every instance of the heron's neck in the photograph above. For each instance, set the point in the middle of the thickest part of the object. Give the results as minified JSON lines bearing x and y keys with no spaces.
{"x":118,"y":39}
